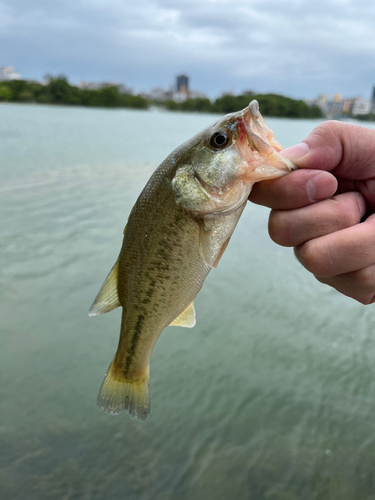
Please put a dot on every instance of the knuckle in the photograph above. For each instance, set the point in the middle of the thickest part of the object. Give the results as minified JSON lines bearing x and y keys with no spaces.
{"x":315,"y":259}
{"x":364,"y":279}
{"x":346,"y":211}
{"x":346,"y":217}
{"x":366,"y":301}
{"x":306,"y":255}
{"x":280,"y":228}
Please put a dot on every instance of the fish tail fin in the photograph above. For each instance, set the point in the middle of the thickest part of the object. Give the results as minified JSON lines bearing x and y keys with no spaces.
{"x":118,"y":394}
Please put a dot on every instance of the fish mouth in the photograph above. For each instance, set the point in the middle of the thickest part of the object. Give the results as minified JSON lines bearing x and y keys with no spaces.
{"x":263,"y":144}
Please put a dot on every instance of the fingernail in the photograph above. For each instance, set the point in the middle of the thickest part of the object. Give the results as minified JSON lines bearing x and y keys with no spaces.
{"x":320,"y":187}
{"x":295,"y":151}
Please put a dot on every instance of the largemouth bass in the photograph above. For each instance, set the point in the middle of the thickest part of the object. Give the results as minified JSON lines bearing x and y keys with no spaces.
{"x":176,"y":233}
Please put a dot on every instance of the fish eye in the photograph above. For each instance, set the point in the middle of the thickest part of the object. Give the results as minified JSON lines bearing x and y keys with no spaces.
{"x":220,"y":139}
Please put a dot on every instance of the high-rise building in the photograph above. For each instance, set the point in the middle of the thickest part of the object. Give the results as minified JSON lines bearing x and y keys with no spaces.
{"x":182,"y":84}
{"x":373,"y":100}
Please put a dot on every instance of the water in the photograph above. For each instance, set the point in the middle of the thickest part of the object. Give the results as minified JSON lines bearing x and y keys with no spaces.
{"x":270,"y":396}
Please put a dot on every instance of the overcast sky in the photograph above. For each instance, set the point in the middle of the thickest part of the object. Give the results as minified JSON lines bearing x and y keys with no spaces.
{"x":298,"y":48}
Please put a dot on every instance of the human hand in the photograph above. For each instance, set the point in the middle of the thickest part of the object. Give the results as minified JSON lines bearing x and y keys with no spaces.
{"x":318,"y":209}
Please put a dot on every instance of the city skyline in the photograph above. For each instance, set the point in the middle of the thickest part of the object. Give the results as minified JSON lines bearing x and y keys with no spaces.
{"x":180,"y":90}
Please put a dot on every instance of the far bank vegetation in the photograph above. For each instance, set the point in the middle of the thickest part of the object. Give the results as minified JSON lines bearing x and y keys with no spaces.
{"x":57,"y":90}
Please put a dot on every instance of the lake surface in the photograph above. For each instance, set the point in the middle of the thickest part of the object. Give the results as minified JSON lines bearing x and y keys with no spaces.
{"x":270,"y":396}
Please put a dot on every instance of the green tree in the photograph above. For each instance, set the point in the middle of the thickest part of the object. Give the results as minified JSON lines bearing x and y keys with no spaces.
{"x":270,"y":105}
{"x":58,"y":91}
{"x":171,"y":105}
{"x":133,"y":101}
{"x":108,"y":97}
{"x":5,"y":93}
{"x":198,"y":104}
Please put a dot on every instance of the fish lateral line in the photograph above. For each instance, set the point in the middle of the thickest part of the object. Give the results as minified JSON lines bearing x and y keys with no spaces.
{"x":177,"y":231}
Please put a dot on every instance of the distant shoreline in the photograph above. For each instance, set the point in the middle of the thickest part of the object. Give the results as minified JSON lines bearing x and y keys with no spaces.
{"x":59,"y":92}
{"x":151,"y":109}
{"x":161,"y":109}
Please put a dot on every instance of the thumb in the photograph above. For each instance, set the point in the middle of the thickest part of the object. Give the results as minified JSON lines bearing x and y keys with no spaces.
{"x":348,"y":151}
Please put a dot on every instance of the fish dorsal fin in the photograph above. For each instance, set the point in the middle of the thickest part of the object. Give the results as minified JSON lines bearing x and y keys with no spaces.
{"x":186,"y":318}
{"x":107,"y":298}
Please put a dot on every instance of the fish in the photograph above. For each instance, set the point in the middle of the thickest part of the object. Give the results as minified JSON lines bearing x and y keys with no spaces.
{"x":176,"y":233}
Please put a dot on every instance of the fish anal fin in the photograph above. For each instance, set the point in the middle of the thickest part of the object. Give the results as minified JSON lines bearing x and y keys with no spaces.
{"x":107,"y":298}
{"x":223,"y":248}
{"x":186,"y":318}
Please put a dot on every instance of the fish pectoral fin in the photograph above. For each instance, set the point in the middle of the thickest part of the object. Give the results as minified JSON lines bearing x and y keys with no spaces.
{"x":205,"y":244}
{"x":223,"y":248}
{"x":186,"y":318}
{"x":107,"y":298}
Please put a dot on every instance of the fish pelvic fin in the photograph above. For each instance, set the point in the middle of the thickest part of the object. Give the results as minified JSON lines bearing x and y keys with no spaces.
{"x":186,"y":318}
{"x":107,"y":298}
{"x":118,"y":394}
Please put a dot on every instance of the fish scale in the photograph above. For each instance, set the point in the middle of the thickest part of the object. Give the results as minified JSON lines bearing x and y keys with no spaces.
{"x":176,"y":232}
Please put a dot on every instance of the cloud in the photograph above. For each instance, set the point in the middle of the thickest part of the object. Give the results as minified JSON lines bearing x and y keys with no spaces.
{"x":292,"y":47}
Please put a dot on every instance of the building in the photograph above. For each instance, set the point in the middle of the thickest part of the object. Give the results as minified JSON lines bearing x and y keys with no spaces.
{"x":337,"y":106}
{"x":196,"y":94}
{"x":334,"y":107}
{"x":8,"y":73}
{"x":321,"y":102}
{"x":182,"y":84}
{"x":178,"y":93}
{"x":361,"y":107}
{"x":159,"y":94}
{"x":180,"y":96}
{"x":348,"y":105}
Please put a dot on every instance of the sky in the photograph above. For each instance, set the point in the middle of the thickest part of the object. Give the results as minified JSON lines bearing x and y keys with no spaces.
{"x":299,"y":48}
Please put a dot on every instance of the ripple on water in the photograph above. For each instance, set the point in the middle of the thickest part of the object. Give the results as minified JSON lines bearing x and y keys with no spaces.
{"x":245,"y":405}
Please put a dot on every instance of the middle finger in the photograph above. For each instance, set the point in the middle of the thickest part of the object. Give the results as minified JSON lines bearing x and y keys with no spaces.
{"x":294,"y":227}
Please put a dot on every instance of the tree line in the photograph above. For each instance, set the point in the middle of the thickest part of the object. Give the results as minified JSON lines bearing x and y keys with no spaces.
{"x":59,"y":91}
{"x":269,"y":104}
